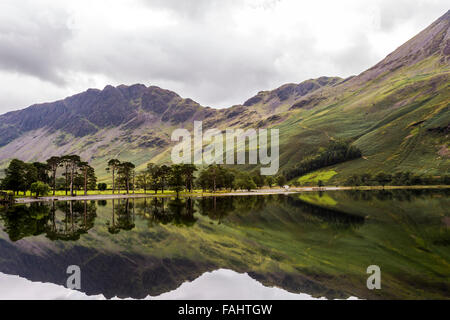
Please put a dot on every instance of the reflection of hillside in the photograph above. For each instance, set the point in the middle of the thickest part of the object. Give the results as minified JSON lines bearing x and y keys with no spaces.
{"x":397,"y":195}
{"x":337,"y":218}
{"x":279,"y":240}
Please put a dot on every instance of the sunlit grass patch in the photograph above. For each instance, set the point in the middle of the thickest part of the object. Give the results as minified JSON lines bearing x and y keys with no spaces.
{"x":314,"y":177}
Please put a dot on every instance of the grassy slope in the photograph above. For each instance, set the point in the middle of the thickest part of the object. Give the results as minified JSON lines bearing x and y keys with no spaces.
{"x":388,"y":118}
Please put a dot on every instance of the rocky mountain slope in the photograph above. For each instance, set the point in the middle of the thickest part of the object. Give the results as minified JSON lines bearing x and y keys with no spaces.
{"x":396,"y":112}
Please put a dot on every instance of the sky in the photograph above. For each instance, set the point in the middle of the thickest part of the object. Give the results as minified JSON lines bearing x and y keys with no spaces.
{"x":217,"y":52}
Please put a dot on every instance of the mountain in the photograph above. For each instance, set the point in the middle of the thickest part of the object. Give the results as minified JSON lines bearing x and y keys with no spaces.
{"x":396,"y":112}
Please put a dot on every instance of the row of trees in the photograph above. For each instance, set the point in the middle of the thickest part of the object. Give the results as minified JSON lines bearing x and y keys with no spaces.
{"x":397,"y":179}
{"x":335,"y":152}
{"x":76,"y":174}
{"x":70,"y":173}
{"x":181,"y":177}
{"x":37,"y":176}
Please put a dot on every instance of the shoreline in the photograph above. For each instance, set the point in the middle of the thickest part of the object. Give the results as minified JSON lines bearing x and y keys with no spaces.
{"x":293,"y":190}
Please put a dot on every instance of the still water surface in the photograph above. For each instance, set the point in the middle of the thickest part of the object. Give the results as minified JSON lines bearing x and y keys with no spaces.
{"x":309,"y":245}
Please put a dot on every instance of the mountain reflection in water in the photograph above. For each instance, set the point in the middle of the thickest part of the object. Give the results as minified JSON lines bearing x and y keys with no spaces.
{"x":314,"y":243}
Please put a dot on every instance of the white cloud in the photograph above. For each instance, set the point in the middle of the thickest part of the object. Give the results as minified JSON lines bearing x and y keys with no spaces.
{"x":217,"y":52}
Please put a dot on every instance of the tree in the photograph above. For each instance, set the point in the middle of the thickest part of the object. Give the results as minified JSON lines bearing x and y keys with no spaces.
{"x":336,"y":151}
{"x":73,"y":162}
{"x":102,"y":186}
{"x":259,"y":180}
{"x":270,"y":181}
{"x":65,"y":163}
{"x":53,"y":163}
{"x":366,"y":179}
{"x":353,"y":180}
{"x":402,"y":178}
{"x":42,"y":171}
{"x":176,"y":180}
{"x":202,"y":180}
{"x":163,"y":174}
{"x":39,"y":188}
{"x":383,"y":178}
{"x":214,"y":170}
{"x":228,"y":179}
{"x":153,"y":171}
{"x":70,"y":164}
{"x":113,"y":165}
{"x":281,"y":181}
{"x":15,"y":179}
{"x":245,"y":182}
{"x":31,"y":175}
{"x":126,"y":172}
{"x":89,"y":177}
{"x":188,"y":173}
{"x":143,"y":179}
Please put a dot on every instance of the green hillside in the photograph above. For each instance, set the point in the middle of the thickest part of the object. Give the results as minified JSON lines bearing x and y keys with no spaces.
{"x":396,"y":113}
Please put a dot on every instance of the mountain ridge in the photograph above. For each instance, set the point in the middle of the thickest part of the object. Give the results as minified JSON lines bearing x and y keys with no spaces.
{"x":391,"y":111}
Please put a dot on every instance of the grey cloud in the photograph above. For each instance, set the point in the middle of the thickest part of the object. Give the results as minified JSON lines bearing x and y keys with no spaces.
{"x":355,"y":55}
{"x":32,"y":40}
{"x":205,"y":54}
{"x":395,"y":13}
{"x":212,"y":65}
{"x":192,"y":9}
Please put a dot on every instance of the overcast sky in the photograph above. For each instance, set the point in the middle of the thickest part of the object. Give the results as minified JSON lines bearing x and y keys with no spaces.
{"x":217,"y":52}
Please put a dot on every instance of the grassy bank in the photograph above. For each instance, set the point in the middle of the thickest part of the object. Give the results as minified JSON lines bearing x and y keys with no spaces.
{"x":104,"y":195}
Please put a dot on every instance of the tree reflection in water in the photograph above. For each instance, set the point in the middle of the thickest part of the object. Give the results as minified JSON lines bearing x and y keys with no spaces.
{"x":179,"y":212}
{"x":122,"y":216}
{"x":78,"y":217}
{"x":307,"y":242}
{"x":58,"y":220}
{"x":68,"y":220}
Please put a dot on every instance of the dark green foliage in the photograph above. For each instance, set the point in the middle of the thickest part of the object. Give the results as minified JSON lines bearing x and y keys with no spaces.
{"x":52,"y":165}
{"x":113,"y":166}
{"x":14,"y":176}
{"x":42,"y":172}
{"x":281,"y":181}
{"x":126,"y":174}
{"x":102,"y":186}
{"x":176,"y":178}
{"x":216,"y":177}
{"x":39,"y":188}
{"x":259,"y":180}
{"x":245,"y":182}
{"x":19,"y":176}
{"x":335,"y":152}
{"x":397,"y":179}
{"x":270,"y":181}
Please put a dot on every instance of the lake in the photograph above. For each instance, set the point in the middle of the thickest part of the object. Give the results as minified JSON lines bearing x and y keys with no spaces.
{"x":302,"y":245}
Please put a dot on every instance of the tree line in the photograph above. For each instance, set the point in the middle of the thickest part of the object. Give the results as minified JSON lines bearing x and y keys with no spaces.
{"x":70,"y":173}
{"x":396,"y":179}
{"x":37,"y":177}
{"x":335,"y":152}
{"x":179,"y":177}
